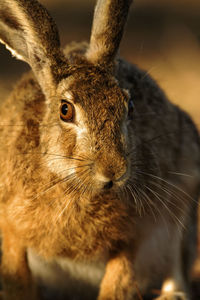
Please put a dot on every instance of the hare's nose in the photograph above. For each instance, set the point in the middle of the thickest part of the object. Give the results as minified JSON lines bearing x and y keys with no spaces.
{"x":110,"y":170}
{"x":108,"y":185}
{"x":107,"y":181}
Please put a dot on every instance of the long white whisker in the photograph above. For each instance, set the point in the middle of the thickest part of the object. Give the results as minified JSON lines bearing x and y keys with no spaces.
{"x":167,"y":208}
{"x":180,"y":174}
{"x":148,"y":201}
{"x":168,"y":192}
{"x":49,"y":186}
{"x":169,"y":183}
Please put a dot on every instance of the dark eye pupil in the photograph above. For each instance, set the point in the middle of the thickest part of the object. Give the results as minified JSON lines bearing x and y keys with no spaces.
{"x":64,"y":109}
{"x":130,"y":105}
{"x":130,"y":108}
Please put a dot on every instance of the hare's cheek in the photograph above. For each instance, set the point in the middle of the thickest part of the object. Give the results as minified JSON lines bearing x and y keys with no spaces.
{"x":59,"y":161}
{"x":83,"y":141}
{"x":60,"y":147}
{"x":81,"y":134}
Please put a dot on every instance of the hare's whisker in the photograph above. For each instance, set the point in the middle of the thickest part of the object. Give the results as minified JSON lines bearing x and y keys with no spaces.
{"x":74,"y":187}
{"x":55,"y":182}
{"x":171,"y":193}
{"x":85,"y":186}
{"x":174,"y":217}
{"x":159,"y":211}
{"x":149,"y":202}
{"x":133,"y":195}
{"x":77,"y":182}
{"x":169,"y":183}
{"x":52,"y":154}
{"x":138,"y":197}
{"x":63,"y":210}
{"x":180,"y":174}
{"x":42,"y":192}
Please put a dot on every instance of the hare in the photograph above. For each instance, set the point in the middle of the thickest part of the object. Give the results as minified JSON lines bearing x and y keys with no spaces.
{"x":100,"y":173}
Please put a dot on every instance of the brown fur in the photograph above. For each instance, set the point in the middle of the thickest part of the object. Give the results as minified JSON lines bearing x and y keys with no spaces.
{"x":56,"y":197}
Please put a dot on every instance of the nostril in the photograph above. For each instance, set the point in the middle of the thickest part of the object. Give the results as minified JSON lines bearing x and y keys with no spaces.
{"x":108,"y":185}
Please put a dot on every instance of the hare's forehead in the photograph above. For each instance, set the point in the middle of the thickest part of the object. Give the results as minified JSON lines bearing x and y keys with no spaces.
{"x":100,"y":98}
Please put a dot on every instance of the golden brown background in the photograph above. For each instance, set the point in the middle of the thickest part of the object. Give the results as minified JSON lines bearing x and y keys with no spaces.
{"x":162,"y":36}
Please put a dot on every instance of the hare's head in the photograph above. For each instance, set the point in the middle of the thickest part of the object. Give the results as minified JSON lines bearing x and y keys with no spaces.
{"x":86,"y":109}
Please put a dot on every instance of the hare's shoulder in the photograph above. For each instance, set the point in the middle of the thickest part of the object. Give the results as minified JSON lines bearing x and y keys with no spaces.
{"x":25,"y":102}
{"x":21,"y":114}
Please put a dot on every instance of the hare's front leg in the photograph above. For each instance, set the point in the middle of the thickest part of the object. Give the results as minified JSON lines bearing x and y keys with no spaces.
{"x":16,"y":277}
{"x":118,"y":282}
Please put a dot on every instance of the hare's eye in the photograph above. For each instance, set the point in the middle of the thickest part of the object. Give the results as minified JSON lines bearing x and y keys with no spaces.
{"x":130,"y":108}
{"x":66,"y":111}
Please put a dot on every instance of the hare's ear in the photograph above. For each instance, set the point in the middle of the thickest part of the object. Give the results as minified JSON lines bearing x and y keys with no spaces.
{"x":108,"y":24}
{"x":31,"y":35}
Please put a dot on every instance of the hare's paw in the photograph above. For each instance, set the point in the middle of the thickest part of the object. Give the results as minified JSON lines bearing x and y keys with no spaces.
{"x":172,"y":296}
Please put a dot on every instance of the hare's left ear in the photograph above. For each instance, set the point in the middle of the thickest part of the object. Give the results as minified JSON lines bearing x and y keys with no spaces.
{"x":108,"y":24}
{"x":31,"y":35}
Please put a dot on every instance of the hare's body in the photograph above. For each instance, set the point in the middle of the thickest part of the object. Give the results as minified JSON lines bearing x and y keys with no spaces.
{"x":32,"y":206}
{"x":91,"y":173}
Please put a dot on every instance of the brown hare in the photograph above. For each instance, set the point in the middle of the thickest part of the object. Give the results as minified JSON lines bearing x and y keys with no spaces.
{"x":100,"y":174}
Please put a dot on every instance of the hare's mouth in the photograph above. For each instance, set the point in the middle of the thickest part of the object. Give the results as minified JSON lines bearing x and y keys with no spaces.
{"x":84,"y":182}
{"x":104,"y":183}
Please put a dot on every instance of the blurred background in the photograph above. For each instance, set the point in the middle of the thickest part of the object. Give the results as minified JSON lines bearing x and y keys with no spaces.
{"x":162,"y":37}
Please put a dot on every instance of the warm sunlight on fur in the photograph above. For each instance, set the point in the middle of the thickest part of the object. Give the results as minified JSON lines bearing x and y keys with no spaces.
{"x":99,"y":170}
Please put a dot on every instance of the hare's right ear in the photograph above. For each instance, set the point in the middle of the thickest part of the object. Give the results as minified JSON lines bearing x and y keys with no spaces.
{"x":31,"y":35}
{"x":109,"y":19}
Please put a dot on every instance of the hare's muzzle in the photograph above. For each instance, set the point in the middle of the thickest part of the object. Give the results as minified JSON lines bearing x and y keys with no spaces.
{"x":110,"y":170}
